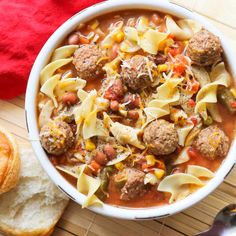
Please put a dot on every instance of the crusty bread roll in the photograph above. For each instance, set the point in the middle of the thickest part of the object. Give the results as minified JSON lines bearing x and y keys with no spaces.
{"x":35,"y":205}
{"x":9,"y":161}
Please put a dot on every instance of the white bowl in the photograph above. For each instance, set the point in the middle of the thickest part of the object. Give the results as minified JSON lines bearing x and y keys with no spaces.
{"x":31,"y":115}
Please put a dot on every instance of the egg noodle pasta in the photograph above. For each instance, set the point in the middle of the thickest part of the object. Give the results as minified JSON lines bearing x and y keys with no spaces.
{"x":208,"y":93}
{"x":63,"y":52}
{"x":50,"y":69}
{"x":85,"y":185}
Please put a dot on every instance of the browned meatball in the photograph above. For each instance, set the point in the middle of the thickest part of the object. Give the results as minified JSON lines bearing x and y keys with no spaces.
{"x":204,"y":48}
{"x":134,"y":183}
{"x":56,"y":137}
{"x":135,"y":72}
{"x":88,"y":61}
{"x":212,"y":142}
{"x":161,"y":137}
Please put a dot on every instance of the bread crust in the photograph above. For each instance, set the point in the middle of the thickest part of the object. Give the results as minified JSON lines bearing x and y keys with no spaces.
{"x":37,"y":231}
{"x":11,"y":168}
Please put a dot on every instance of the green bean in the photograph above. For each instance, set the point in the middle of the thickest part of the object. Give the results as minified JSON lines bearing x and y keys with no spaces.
{"x":227,"y":99}
{"x":105,"y":177}
{"x":208,"y":121}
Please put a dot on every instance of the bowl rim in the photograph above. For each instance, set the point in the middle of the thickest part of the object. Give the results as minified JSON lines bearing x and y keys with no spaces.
{"x":31,"y":113}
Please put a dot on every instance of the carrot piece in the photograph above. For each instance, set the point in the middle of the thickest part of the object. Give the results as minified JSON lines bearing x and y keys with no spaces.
{"x":95,"y":166}
{"x":83,"y":40}
{"x":233,"y":104}
{"x":145,"y":166}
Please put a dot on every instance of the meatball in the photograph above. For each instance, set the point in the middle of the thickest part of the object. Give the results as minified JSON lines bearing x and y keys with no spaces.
{"x":135,"y":72}
{"x":56,"y":137}
{"x":88,"y":61}
{"x":204,"y":48}
{"x":161,"y":137}
{"x":134,"y":186}
{"x":212,"y":142}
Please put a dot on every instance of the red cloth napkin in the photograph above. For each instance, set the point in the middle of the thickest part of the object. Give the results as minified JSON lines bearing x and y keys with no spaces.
{"x":25,"y":26}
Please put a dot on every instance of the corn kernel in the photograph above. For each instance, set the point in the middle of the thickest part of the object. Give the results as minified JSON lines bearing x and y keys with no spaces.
{"x":233,"y":91}
{"x":119,"y":36}
{"x":162,"y":67}
{"x":162,"y":80}
{"x":166,"y":50}
{"x":151,"y":160}
{"x":169,"y":42}
{"x":185,"y":42}
{"x":159,"y":173}
{"x":119,"y":166}
{"x":94,"y":24}
{"x":89,"y":145}
{"x":162,"y":45}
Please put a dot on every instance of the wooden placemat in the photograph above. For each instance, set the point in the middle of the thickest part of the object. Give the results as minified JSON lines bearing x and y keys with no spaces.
{"x":82,"y":222}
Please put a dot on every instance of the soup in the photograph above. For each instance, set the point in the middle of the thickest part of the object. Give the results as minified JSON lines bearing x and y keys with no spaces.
{"x":137,"y":108}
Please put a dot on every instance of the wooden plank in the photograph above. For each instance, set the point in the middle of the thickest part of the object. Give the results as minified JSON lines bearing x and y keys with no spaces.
{"x":185,"y":224}
{"x":190,"y":4}
{"x":163,"y":230}
{"x":12,"y":113}
{"x":221,"y":11}
{"x":231,"y":177}
{"x":16,"y":130}
{"x":61,"y":232}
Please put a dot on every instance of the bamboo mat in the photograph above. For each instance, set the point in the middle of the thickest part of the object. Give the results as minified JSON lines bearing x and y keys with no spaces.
{"x":82,"y":222}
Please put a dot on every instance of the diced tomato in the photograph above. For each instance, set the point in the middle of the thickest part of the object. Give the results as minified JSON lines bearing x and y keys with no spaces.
{"x":179,"y":69}
{"x":170,"y":36}
{"x":191,"y":103}
{"x":192,"y":153}
{"x":94,"y":166}
{"x":177,"y":49}
{"x":83,"y":40}
{"x":145,"y":166}
{"x":194,"y":120}
{"x":192,"y":85}
{"x":180,"y":64}
{"x":195,"y":86}
{"x":233,"y":104}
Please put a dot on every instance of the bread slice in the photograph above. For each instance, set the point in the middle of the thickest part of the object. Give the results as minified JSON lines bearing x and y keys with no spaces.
{"x":9,"y":161}
{"x":35,"y":205}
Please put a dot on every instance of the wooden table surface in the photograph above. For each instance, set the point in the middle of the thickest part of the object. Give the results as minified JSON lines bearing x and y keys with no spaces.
{"x":82,"y":222}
